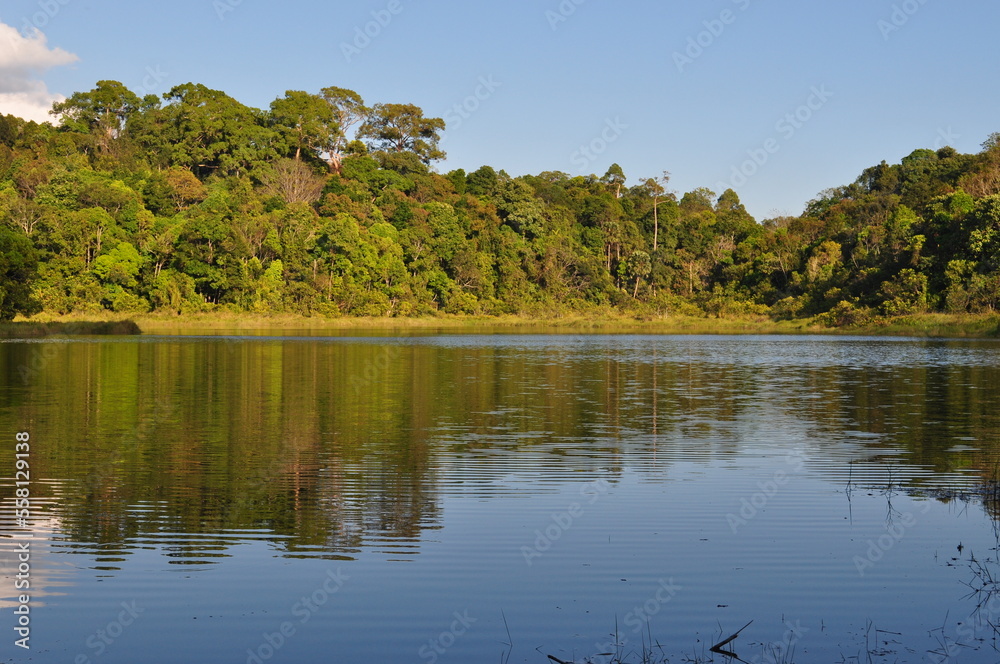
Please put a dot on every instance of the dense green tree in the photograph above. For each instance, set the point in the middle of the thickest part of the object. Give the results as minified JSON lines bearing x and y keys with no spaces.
{"x":212,"y":133}
{"x":656,"y":188}
{"x":636,"y":268}
{"x":307,"y":123}
{"x":615,"y":179}
{"x":403,"y":128}
{"x":482,"y":182}
{"x":9,"y":126}
{"x":200,"y":203}
{"x":18,"y":271}
{"x":519,"y":208}
{"x":104,"y":112}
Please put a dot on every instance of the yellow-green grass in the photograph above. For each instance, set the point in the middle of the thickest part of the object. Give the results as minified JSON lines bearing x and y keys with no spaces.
{"x":933,"y":325}
{"x":604,"y":321}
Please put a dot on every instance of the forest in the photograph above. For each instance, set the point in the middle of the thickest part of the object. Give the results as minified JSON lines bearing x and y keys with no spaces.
{"x":322,"y":205}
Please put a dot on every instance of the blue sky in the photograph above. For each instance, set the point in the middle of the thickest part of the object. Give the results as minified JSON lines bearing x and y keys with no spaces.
{"x":778,"y":99}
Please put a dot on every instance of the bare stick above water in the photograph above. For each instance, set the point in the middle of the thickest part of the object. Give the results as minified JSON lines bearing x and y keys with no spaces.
{"x":718,"y":646}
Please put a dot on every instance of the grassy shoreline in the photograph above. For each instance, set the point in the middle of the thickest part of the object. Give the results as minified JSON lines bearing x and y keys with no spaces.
{"x":922,"y":325}
{"x":22,"y":329}
{"x":985,"y":326}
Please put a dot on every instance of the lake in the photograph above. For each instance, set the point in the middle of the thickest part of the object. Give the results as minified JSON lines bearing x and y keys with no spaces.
{"x":499,"y":498}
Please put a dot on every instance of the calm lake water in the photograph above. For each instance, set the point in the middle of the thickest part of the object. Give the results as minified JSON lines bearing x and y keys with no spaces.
{"x":489,"y":498}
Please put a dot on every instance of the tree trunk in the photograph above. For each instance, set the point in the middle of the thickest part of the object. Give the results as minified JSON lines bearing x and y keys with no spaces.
{"x":335,"y":162}
{"x":656,"y":223}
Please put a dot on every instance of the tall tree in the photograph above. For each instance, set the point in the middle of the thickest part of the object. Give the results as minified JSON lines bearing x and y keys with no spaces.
{"x":348,"y":110}
{"x":482,"y":181}
{"x":403,"y":128}
{"x":615,"y":178}
{"x":657,"y":188}
{"x":306,"y":122}
{"x":732,"y":217}
{"x":211,"y":132}
{"x":103,"y":112}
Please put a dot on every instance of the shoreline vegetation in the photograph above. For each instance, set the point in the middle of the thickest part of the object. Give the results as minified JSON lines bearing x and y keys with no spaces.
{"x":605,"y":322}
{"x":193,"y":206}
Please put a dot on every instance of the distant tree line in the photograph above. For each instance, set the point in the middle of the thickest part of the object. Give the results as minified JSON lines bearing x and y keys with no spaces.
{"x":323,"y":205}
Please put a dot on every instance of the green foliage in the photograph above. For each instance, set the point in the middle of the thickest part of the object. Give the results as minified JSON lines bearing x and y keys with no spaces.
{"x":307,"y":125}
{"x":18,"y":270}
{"x":519,"y":208}
{"x":103,"y":114}
{"x":846,"y":313}
{"x":201,"y":202}
{"x":403,"y":128}
{"x":635,"y":268}
{"x":120,"y":266}
{"x":175,"y":292}
{"x":482,"y":182}
{"x":211,"y":133}
{"x":348,"y":110}
{"x":904,"y":294}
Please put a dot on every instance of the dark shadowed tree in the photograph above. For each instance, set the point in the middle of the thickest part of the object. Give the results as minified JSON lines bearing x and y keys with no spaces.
{"x":18,"y":270}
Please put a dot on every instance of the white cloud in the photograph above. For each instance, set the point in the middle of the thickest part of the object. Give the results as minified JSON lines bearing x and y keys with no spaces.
{"x":22,"y":59}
